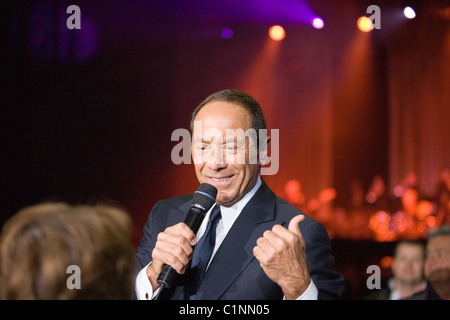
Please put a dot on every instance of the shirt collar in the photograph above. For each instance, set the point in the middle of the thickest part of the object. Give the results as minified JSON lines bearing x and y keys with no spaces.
{"x":230,"y":214}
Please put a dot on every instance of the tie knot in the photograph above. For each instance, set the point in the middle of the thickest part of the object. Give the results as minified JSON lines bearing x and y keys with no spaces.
{"x":215,"y":214}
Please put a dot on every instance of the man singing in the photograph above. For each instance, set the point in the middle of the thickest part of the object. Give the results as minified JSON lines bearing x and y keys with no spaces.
{"x":264,"y":248}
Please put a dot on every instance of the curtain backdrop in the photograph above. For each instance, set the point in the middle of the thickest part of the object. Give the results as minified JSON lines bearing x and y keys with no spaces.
{"x":419,"y":96}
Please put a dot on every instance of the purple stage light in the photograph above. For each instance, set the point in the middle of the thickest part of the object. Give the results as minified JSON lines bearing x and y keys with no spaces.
{"x":227,"y":33}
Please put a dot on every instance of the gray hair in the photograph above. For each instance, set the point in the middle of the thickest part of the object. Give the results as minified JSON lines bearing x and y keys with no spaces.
{"x":442,"y":231}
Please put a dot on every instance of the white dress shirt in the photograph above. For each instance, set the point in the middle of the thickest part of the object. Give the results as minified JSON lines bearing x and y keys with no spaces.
{"x":395,"y":295}
{"x":144,"y":289}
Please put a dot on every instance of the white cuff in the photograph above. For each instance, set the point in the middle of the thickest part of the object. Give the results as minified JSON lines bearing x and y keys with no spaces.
{"x":311,"y":293}
{"x":144,"y":290}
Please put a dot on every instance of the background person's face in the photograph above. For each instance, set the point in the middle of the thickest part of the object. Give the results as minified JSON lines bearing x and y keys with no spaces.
{"x":225,"y":164}
{"x":408,"y":263}
{"x":437,"y":264}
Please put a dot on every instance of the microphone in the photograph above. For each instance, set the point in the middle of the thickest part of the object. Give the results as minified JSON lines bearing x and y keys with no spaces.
{"x":204,"y":199}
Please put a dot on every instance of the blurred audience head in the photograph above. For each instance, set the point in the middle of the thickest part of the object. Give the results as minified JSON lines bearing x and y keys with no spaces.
{"x":437,"y":264}
{"x":424,"y":209}
{"x":39,"y":243}
{"x":411,"y":179}
{"x":410,"y":199}
{"x":407,"y":265}
{"x":445,"y":175}
{"x":293,"y":192}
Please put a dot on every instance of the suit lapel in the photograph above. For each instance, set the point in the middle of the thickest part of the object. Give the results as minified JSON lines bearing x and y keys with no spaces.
{"x":236,"y":251}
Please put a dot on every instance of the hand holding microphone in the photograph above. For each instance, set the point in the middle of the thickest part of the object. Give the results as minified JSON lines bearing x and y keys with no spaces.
{"x":173,"y":249}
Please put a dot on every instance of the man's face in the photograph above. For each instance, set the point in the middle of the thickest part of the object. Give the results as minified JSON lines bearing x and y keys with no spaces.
{"x":219,"y":158}
{"x":407,"y":266}
{"x":437,"y":265}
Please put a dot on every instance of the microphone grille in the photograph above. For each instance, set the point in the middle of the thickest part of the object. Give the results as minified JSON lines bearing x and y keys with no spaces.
{"x":205,"y":195}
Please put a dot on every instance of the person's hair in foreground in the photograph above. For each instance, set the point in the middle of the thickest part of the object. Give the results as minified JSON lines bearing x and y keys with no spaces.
{"x":40,"y":242}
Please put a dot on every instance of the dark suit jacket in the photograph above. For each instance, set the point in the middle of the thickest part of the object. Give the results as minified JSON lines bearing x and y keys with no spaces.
{"x":234,"y":272}
{"x":427,"y":294}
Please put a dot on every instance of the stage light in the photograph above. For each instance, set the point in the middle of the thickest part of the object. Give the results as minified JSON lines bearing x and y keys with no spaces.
{"x":365,"y":24}
{"x":277,"y":33}
{"x":227,"y":33}
{"x":409,"y":13}
{"x":318,"y":23}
